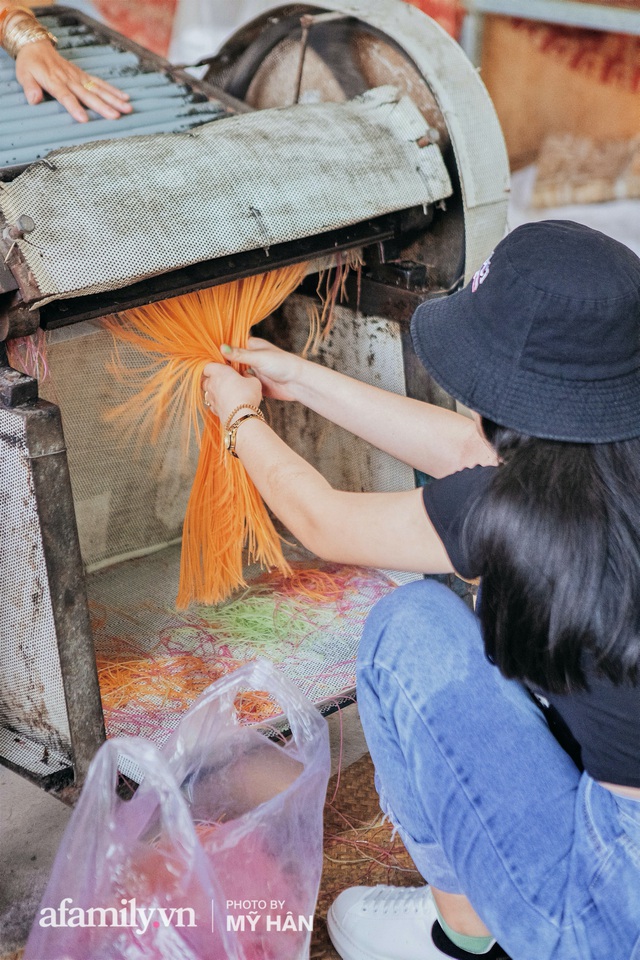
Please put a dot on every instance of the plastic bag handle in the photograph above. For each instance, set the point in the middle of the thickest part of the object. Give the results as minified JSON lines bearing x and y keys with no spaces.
{"x":158,"y":778}
{"x":305,"y":721}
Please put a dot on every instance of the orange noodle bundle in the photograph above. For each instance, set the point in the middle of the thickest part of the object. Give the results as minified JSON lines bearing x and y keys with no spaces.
{"x":225,"y":512}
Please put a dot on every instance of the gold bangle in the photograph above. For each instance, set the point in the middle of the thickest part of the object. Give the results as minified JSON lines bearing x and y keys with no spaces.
{"x":243,"y":406}
{"x":230,"y":433}
{"x":21,"y":29}
{"x":11,"y":13}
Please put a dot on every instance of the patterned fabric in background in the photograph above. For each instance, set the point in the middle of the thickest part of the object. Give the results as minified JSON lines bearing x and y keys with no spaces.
{"x":610,"y":58}
{"x":147,"y":22}
{"x":448,"y":13}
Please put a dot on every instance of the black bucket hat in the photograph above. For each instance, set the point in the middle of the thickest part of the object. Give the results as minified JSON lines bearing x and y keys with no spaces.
{"x":545,"y":339}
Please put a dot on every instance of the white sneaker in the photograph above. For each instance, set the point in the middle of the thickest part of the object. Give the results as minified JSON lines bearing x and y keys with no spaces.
{"x":388,"y":923}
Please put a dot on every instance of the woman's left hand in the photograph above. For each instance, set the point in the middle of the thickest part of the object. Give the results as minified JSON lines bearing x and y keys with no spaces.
{"x":227,"y":389}
{"x":40,"y":68}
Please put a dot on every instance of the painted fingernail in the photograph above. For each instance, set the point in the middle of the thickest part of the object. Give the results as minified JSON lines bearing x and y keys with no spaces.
{"x":225,"y":348}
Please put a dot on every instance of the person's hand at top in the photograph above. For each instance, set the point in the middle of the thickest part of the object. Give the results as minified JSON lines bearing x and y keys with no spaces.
{"x":277,"y":370}
{"x":40,"y":69}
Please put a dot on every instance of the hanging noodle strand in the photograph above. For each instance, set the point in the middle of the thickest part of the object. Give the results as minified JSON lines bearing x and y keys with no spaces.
{"x":179,"y":337}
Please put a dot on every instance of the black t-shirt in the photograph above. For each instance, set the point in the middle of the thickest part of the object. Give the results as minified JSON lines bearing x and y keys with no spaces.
{"x":604,"y":719}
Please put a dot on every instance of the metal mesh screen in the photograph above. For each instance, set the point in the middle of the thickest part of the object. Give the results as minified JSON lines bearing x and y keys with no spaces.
{"x":108,"y":214}
{"x":129,"y":494}
{"x":32,"y":700}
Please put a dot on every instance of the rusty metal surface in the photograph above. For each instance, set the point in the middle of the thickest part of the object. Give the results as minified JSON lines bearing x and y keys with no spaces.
{"x":8,"y":282}
{"x":252,"y":64}
{"x":15,"y":387}
{"x":31,"y":696}
{"x":13,"y":260}
{"x":67,"y":589}
{"x":49,"y":695}
{"x":16,"y":318}
{"x":328,"y":55}
{"x":43,"y":766}
{"x":211,"y":272}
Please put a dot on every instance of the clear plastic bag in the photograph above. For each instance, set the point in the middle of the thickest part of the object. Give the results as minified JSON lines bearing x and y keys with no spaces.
{"x":217,"y":855}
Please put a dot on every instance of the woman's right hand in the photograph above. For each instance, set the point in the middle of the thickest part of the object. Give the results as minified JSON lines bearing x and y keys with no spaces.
{"x":40,"y":68}
{"x":278,"y":371}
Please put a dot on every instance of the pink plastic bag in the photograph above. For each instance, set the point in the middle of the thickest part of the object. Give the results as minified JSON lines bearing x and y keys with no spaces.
{"x":217,"y":856}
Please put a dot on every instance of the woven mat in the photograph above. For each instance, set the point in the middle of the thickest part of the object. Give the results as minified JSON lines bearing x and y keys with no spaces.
{"x":358,"y":848}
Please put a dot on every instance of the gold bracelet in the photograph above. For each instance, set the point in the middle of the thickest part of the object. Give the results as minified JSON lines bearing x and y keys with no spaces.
{"x":230,"y":432}
{"x":8,"y":14}
{"x":21,"y":28}
{"x":16,"y":37}
{"x":243,"y":406}
{"x":15,"y":13}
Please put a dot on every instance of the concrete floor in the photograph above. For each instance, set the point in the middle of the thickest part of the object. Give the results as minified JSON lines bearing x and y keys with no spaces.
{"x":32,"y":824}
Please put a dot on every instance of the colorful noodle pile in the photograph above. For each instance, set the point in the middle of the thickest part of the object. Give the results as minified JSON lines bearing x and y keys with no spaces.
{"x":225,"y":511}
{"x":147,"y":684}
{"x":177,"y":679}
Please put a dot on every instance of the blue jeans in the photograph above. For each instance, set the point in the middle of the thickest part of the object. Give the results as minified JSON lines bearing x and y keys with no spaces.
{"x":486,"y":801}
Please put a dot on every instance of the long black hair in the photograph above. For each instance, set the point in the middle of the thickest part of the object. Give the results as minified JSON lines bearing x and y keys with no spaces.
{"x":556,"y":539}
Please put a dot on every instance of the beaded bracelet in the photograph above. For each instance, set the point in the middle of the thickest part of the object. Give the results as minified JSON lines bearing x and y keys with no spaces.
{"x":243,"y":406}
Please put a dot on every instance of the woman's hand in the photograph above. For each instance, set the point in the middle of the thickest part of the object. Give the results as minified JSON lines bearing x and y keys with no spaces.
{"x":277,"y":370}
{"x":227,"y":389}
{"x":40,"y":68}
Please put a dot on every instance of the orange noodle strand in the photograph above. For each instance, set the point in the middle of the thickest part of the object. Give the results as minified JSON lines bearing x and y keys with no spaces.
{"x":225,"y":512}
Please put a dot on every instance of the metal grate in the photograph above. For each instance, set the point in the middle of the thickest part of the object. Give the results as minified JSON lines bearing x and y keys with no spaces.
{"x":160,"y":104}
{"x":32,"y":704}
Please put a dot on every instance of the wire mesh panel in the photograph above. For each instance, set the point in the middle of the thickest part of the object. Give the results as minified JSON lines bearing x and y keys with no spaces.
{"x":32,"y":703}
{"x":197,"y":196}
{"x":129,"y":494}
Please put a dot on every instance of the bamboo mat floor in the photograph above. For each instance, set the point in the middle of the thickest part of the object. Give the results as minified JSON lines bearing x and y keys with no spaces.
{"x":358,"y":847}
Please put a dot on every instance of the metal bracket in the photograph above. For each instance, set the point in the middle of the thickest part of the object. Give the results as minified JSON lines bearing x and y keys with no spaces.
{"x":15,"y":387}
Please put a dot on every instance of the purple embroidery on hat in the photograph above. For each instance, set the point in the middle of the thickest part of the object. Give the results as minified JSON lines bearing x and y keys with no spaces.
{"x":481,"y":275}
